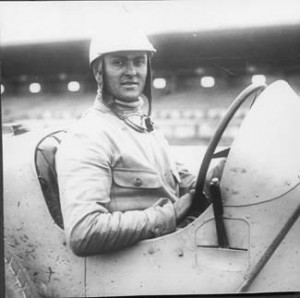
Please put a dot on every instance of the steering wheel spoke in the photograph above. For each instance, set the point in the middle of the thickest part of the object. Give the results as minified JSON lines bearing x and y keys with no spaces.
{"x":221,"y":154}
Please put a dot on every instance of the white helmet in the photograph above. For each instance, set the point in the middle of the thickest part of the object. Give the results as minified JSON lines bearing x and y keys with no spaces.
{"x":120,"y":37}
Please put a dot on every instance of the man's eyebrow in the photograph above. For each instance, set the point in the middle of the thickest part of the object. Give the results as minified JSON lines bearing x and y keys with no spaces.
{"x":120,"y":56}
{"x":117,"y":56}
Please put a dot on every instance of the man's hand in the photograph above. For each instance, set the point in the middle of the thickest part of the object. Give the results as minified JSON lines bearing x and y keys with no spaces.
{"x":182,"y":205}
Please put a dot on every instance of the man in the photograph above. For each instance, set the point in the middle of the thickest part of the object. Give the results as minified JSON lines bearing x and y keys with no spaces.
{"x":118,"y":183}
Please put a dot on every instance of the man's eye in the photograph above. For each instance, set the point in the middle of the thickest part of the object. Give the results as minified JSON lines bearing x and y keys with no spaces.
{"x":139,"y":61}
{"x":118,"y":62}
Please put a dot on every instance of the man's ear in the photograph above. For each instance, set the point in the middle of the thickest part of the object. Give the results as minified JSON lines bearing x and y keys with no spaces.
{"x":97,"y":70}
{"x":98,"y":77}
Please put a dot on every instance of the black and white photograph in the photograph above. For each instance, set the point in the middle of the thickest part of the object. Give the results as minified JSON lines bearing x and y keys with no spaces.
{"x":150,"y":148}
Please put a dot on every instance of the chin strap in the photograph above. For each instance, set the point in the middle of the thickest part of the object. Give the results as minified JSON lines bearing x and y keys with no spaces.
{"x":149,"y":124}
{"x":148,"y":92}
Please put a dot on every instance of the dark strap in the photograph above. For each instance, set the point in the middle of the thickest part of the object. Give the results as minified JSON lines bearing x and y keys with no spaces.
{"x":218,"y":212}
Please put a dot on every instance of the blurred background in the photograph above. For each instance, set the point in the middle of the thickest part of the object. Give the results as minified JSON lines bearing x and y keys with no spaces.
{"x":207,"y":53}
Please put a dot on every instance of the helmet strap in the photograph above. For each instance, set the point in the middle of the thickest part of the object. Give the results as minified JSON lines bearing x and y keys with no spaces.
{"x":148,"y":94}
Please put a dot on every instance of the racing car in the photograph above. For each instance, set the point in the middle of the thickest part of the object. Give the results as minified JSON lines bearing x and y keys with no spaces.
{"x":245,"y":238}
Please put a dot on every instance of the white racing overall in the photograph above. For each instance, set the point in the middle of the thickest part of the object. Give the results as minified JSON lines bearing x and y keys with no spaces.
{"x":110,"y":176}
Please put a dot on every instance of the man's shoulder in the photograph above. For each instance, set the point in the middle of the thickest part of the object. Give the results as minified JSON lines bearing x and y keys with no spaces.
{"x":89,"y":130}
{"x":94,"y":119}
{"x":93,"y":124}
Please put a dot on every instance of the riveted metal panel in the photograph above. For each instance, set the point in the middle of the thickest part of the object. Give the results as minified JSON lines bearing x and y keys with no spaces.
{"x":282,"y":272}
{"x":264,"y":160}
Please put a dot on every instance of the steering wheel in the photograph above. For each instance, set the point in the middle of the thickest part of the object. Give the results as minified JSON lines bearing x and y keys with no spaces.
{"x":200,"y":202}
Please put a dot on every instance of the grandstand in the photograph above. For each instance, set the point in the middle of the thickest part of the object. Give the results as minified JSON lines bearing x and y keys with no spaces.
{"x":196,"y":76}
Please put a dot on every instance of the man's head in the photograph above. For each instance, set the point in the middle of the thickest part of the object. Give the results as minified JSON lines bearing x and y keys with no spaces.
{"x":124,"y":74}
{"x":120,"y":58}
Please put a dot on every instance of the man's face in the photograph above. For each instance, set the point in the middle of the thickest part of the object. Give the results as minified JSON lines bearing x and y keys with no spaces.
{"x":125,"y":74}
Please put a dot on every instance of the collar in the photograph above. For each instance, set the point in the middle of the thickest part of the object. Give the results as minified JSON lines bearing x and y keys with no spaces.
{"x":132,"y":115}
{"x":118,"y":107}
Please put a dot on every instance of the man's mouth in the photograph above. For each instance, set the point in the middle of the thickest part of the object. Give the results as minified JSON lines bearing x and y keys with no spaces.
{"x":129,"y":84}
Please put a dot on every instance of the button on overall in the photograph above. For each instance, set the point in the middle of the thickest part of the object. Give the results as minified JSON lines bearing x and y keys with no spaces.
{"x":138,"y":182}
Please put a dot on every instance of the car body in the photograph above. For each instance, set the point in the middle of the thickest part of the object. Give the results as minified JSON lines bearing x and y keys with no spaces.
{"x":260,"y":189}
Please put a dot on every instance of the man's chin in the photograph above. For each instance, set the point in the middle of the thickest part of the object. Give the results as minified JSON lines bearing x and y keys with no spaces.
{"x":130,"y":98}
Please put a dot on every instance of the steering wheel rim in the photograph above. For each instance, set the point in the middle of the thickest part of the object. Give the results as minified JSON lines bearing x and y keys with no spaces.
{"x":200,"y":201}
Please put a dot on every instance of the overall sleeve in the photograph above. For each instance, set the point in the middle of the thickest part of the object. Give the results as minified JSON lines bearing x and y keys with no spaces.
{"x":85,"y":179}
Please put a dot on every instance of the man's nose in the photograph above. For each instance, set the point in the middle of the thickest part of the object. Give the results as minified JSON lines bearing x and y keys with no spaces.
{"x":130,"y":68}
